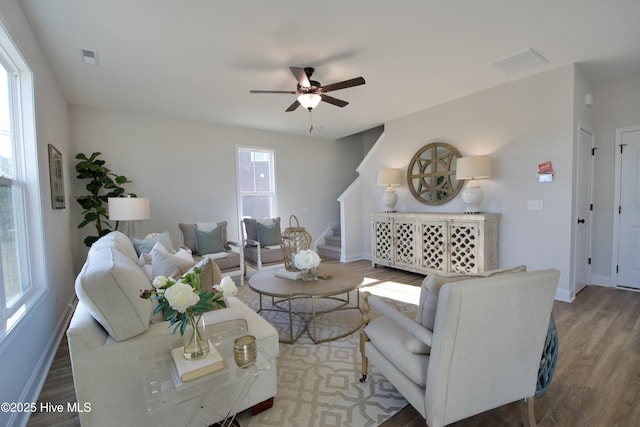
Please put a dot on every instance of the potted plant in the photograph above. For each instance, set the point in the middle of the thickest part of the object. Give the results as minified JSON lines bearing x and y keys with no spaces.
{"x":102,"y":185}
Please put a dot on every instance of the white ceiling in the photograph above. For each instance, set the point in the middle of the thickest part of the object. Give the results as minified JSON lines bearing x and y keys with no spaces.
{"x":198,"y":59}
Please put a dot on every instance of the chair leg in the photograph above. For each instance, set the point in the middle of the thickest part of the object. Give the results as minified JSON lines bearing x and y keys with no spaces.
{"x":366,"y":318}
{"x":365,"y":362}
{"x":527,"y":412}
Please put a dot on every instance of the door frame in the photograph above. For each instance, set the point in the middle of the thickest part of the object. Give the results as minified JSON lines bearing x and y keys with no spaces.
{"x":616,"y":203}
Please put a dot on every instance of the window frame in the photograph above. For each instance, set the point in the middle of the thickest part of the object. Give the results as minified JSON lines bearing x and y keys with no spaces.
{"x":28,"y":210}
{"x":273,"y":194}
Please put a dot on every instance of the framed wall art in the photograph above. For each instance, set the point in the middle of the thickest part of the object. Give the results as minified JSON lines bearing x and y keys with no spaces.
{"x":56,"y":178}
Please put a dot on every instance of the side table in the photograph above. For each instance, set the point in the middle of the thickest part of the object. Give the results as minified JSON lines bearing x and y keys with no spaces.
{"x":163,"y":390}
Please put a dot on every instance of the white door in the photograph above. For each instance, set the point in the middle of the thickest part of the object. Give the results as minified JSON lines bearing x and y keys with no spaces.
{"x":628,"y":169}
{"x":584,"y":185}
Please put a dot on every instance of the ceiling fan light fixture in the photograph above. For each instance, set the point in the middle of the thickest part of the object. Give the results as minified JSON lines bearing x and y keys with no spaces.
{"x":309,"y":100}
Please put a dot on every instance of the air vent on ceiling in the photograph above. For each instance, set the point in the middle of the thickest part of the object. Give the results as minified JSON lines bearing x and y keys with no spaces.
{"x":520,"y":62}
{"x":89,"y":56}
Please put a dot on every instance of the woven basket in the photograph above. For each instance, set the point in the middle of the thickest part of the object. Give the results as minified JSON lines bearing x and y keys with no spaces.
{"x":293,"y":239}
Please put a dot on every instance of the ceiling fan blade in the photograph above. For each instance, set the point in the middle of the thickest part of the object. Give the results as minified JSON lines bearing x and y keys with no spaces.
{"x":301,"y":76}
{"x":334,"y":101}
{"x":343,"y":85}
{"x":291,"y":92}
{"x":293,"y":106}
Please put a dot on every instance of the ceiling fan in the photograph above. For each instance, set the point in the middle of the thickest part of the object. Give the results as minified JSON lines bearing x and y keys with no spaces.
{"x":312,"y":92}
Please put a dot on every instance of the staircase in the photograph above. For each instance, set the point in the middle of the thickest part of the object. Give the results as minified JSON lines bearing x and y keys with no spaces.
{"x":332,"y":247}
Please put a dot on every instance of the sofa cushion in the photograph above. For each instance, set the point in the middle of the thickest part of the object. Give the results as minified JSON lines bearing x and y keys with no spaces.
{"x":209,"y":242}
{"x":428,"y":304}
{"x":145,"y":245}
{"x":267,"y":256}
{"x":231,"y":261}
{"x":110,"y":284}
{"x":389,"y":339}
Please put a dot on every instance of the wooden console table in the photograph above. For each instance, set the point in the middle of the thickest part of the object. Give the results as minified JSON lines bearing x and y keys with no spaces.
{"x":435,"y":242}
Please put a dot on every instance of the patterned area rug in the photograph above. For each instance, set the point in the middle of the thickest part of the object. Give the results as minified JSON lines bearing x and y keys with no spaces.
{"x":318,"y":384}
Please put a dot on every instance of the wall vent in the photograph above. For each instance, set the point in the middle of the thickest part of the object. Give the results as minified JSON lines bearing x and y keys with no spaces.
{"x":520,"y":62}
{"x":89,"y":56}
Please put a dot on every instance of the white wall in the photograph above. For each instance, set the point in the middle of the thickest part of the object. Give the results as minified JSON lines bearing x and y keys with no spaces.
{"x":519,"y":125}
{"x":616,"y":105}
{"x":26,"y":352}
{"x":188,"y":170}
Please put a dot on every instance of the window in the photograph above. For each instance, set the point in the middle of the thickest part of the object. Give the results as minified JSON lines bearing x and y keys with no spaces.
{"x":18,"y":182}
{"x":256,"y":183}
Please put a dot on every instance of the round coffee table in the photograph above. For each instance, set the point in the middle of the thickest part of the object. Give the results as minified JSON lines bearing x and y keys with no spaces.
{"x":280,"y":289}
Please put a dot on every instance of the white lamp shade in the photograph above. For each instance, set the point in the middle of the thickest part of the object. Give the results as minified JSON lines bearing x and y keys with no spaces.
{"x":389,"y":177}
{"x":129,"y":208}
{"x":309,"y":100}
{"x":473,"y":167}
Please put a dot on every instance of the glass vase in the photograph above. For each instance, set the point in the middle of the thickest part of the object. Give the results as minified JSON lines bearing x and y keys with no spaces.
{"x":309,"y":274}
{"x":196,"y":344}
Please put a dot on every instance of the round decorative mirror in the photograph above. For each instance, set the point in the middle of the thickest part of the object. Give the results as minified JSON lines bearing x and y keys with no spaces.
{"x":432,"y":174}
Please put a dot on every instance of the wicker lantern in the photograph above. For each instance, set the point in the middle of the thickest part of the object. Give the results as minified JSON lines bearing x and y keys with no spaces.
{"x":292,"y":240}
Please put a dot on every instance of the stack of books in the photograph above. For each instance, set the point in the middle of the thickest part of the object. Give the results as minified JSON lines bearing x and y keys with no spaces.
{"x":286,"y":274}
{"x":187,"y":370}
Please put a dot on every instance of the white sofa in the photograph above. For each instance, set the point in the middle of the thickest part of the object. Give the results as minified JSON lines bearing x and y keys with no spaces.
{"x":111,"y":333}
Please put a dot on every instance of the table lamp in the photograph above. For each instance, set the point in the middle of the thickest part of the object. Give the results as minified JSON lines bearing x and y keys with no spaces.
{"x":129,"y":209}
{"x":473,"y":168}
{"x":389,"y":178}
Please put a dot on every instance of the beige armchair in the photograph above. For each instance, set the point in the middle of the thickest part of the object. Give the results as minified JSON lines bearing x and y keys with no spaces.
{"x":261,"y":243}
{"x":483,"y":349}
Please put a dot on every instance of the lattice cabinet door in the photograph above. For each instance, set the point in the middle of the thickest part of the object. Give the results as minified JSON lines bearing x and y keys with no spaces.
{"x":404,"y":233}
{"x":464,"y":245}
{"x":433,"y":245}
{"x":382,"y":240}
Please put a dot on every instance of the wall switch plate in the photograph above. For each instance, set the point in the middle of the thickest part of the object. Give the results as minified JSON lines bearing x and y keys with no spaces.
{"x":534,"y":205}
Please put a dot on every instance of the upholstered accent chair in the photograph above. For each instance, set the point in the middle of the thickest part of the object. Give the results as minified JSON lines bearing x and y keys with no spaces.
{"x":261,"y":243}
{"x":475,"y":344}
{"x":209,"y":239}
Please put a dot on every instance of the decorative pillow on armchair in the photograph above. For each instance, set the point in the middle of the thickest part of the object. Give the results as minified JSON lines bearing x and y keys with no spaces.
{"x":428,"y":305}
{"x":209,"y":242}
{"x":263,"y":231}
{"x":189,"y":234}
{"x":269,"y":235}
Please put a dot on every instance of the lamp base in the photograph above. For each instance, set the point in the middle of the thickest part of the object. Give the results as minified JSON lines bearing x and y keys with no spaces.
{"x":472,"y":195}
{"x":389,"y":198}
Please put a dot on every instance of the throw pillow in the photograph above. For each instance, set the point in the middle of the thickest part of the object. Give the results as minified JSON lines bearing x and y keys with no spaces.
{"x":189,"y":233}
{"x":269,"y":235}
{"x":209,"y":242}
{"x":145,"y":245}
{"x":163,"y":264}
{"x":208,"y":226}
{"x":209,"y":273}
{"x":251,"y":227}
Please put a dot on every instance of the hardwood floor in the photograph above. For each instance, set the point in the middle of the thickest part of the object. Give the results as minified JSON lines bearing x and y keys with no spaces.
{"x":596,"y":383}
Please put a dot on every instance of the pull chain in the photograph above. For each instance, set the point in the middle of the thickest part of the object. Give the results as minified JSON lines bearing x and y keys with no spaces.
{"x":310,"y":120}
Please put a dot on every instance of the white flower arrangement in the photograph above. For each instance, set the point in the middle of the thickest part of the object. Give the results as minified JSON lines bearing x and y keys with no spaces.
{"x":306,"y":259}
{"x":182,"y":301}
